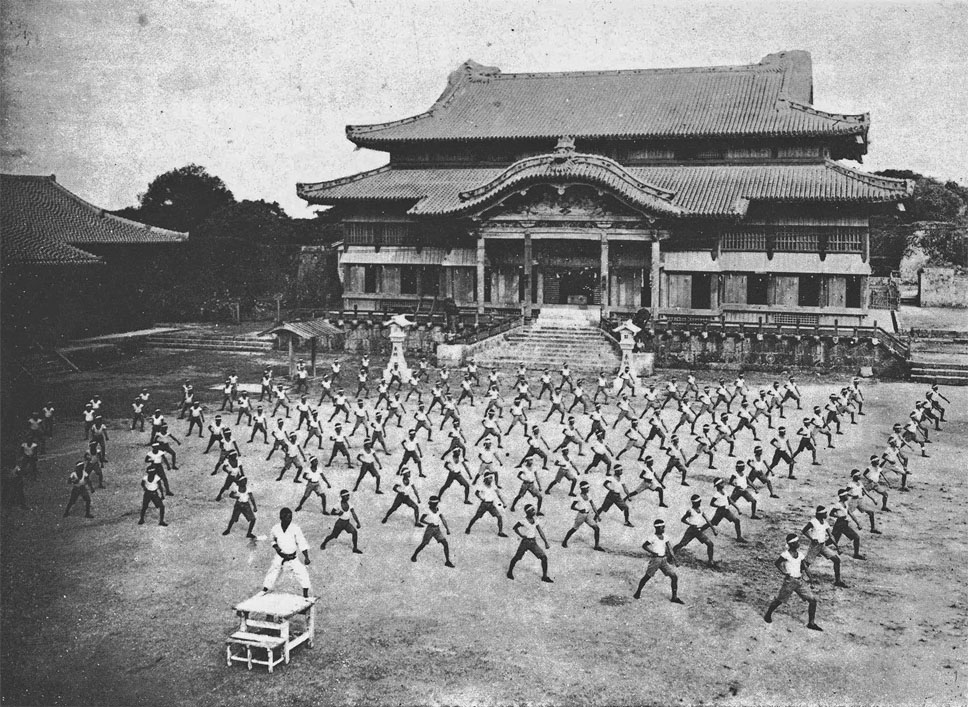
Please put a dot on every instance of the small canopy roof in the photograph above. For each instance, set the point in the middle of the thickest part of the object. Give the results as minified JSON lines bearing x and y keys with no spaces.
{"x":310,"y":329}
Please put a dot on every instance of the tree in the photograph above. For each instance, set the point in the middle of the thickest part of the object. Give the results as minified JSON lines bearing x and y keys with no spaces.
{"x":181,"y":199}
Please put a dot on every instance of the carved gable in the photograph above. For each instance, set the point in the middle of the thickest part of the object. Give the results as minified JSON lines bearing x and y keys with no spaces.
{"x":570,"y":203}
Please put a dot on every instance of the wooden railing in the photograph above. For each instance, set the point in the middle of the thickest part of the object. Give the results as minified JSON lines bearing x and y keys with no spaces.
{"x":687,"y":323}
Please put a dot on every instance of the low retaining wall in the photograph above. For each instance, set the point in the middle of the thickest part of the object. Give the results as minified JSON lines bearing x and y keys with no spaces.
{"x":775,"y":354}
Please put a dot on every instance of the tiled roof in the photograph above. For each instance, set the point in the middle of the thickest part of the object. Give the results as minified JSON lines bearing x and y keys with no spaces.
{"x":40,"y":208}
{"x":705,"y":191}
{"x":21,"y":245}
{"x":770,"y":98}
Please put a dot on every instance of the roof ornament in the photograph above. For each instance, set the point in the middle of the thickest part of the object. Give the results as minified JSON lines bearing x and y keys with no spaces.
{"x":563,"y":154}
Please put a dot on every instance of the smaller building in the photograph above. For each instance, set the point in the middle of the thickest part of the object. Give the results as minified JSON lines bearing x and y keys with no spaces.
{"x":71,"y":269}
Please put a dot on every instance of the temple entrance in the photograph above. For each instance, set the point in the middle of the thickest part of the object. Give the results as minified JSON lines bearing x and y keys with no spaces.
{"x":574,"y":286}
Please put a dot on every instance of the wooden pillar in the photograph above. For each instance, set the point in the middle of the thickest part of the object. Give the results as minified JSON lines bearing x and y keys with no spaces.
{"x":526,"y":274}
{"x":292,"y":357}
{"x":654,"y":276}
{"x":540,"y":275}
{"x":604,"y":275}
{"x":480,"y":274}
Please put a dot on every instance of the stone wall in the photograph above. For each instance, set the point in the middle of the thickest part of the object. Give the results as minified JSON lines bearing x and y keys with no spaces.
{"x":943,"y":287}
{"x":775,"y":354}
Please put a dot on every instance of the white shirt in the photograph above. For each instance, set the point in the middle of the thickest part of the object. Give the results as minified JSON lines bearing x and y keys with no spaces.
{"x":791,"y":564}
{"x":528,"y":530}
{"x":290,"y":540}
{"x":818,"y":530}
{"x":656,"y":545}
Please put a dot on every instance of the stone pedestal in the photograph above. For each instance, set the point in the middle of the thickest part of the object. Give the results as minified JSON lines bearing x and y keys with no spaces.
{"x":399,"y":325}
{"x":626,"y":342}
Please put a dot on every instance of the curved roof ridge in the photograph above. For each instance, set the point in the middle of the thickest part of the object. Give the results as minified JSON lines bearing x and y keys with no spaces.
{"x":304,"y":187}
{"x":855,"y":118}
{"x":875,"y":180}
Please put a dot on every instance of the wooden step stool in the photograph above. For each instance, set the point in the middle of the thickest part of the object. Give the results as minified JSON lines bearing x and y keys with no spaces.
{"x":248,"y":642}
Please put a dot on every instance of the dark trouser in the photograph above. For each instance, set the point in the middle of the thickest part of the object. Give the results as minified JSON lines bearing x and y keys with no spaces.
{"x":248,"y":414}
{"x":613,"y":499}
{"x":599,"y":459}
{"x":806,"y":443}
{"x":227,"y":400}
{"x":530,"y":545}
{"x":311,"y":489}
{"x":341,"y":526}
{"x":455,"y":443}
{"x":536,"y":452}
{"x":28,"y":465}
{"x":486,"y":507}
{"x":694,"y":533}
{"x":194,"y":422}
{"x":242,"y":509}
{"x":367,"y":468}
{"x":257,"y":429}
{"x":779,"y":456}
{"x":149,"y":498}
{"x":402,"y":500}
{"x":212,"y":441}
{"x":76,"y":493}
{"x":842,"y":527}
{"x":433,"y":533}
{"x":277,"y":444}
{"x":290,"y":461}
{"x":459,"y":478}
{"x":138,"y":420}
{"x":726,"y":514}
{"x":340,"y":448}
{"x":230,"y":479}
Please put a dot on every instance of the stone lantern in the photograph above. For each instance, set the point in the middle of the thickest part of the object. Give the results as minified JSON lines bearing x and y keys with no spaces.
{"x":399,"y":324}
{"x":640,"y":364}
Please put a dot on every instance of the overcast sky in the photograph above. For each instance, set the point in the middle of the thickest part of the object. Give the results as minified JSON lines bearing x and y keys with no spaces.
{"x":109,"y":94}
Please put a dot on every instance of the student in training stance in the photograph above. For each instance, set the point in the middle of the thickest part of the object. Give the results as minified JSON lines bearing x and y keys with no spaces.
{"x":302,"y":377}
{"x":79,"y":482}
{"x":617,"y":496}
{"x":188,"y":398}
{"x":244,"y":506}
{"x":314,"y":430}
{"x":686,"y":415}
{"x":874,"y":481}
{"x":413,"y":387}
{"x":601,"y":454}
{"x":265,"y":385}
{"x":650,"y":482}
{"x":724,"y":431}
{"x":566,"y":378}
{"x":99,"y":434}
{"x":530,"y":485}
{"x":227,"y":398}
{"x":412,"y":452}
{"x":13,"y":488}
{"x":88,"y":415}
{"x":840,"y":514}
{"x":196,"y":419}
{"x":791,"y":392}
{"x":782,"y":451}
{"x":760,"y":471}
{"x":861,"y":500}
{"x":457,"y":440}
{"x":466,"y":390}
{"x":457,"y":472}
{"x":822,"y":543}
{"x":340,"y":446}
{"x":344,"y":523}
{"x":529,"y":530}
{"x":579,"y":398}
{"x":360,"y":417}
{"x":545,"y":384}
{"x":518,"y":416}
{"x":294,"y":458}
{"x":227,"y":445}
{"x":660,"y":554}
{"x":807,"y":443}
{"x":376,"y":432}
{"x":153,"y":495}
{"x":491,"y":502}
{"x":704,"y":445}
{"x":279,"y":391}
{"x":450,"y":412}
{"x":216,"y":431}
{"x":433,"y":519}
{"x":422,"y":422}
{"x":325,"y":390}
{"x":585,"y":512}
{"x":634,"y":439}
{"x":94,"y":468}
{"x":314,"y":479}
{"x":395,"y":409}
{"x":362,"y":383}
{"x":279,"y":438}
{"x":490,"y":428}
{"x":287,"y":541}
{"x":723,"y":509}
{"x":303,"y":408}
{"x":672,"y":393}
{"x":233,"y":472}
{"x":696,"y":523}
{"x":369,"y":466}
{"x":791,"y":564}
{"x":744,"y":421}
{"x":407,"y":495}
{"x":566,"y":470}
{"x":677,"y":460}
{"x":523,"y":389}
{"x":557,"y":406}
{"x":819,"y":424}
{"x":598,"y":422}
{"x":163,"y":441}
{"x":742,"y":488}
{"x":489,"y":463}
{"x":137,"y":415}
{"x":28,"y":458}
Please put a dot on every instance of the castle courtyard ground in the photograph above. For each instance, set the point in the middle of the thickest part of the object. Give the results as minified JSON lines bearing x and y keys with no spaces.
{"x":106,"y":612}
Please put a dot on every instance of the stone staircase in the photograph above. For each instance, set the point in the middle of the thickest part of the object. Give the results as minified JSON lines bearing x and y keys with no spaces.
{"x":205,"y":340}
{"x":939,"y":356}
{"x":556,"y":336}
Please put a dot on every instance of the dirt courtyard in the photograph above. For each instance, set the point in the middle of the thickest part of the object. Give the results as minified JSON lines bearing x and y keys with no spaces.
{"x":106,"y":612}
